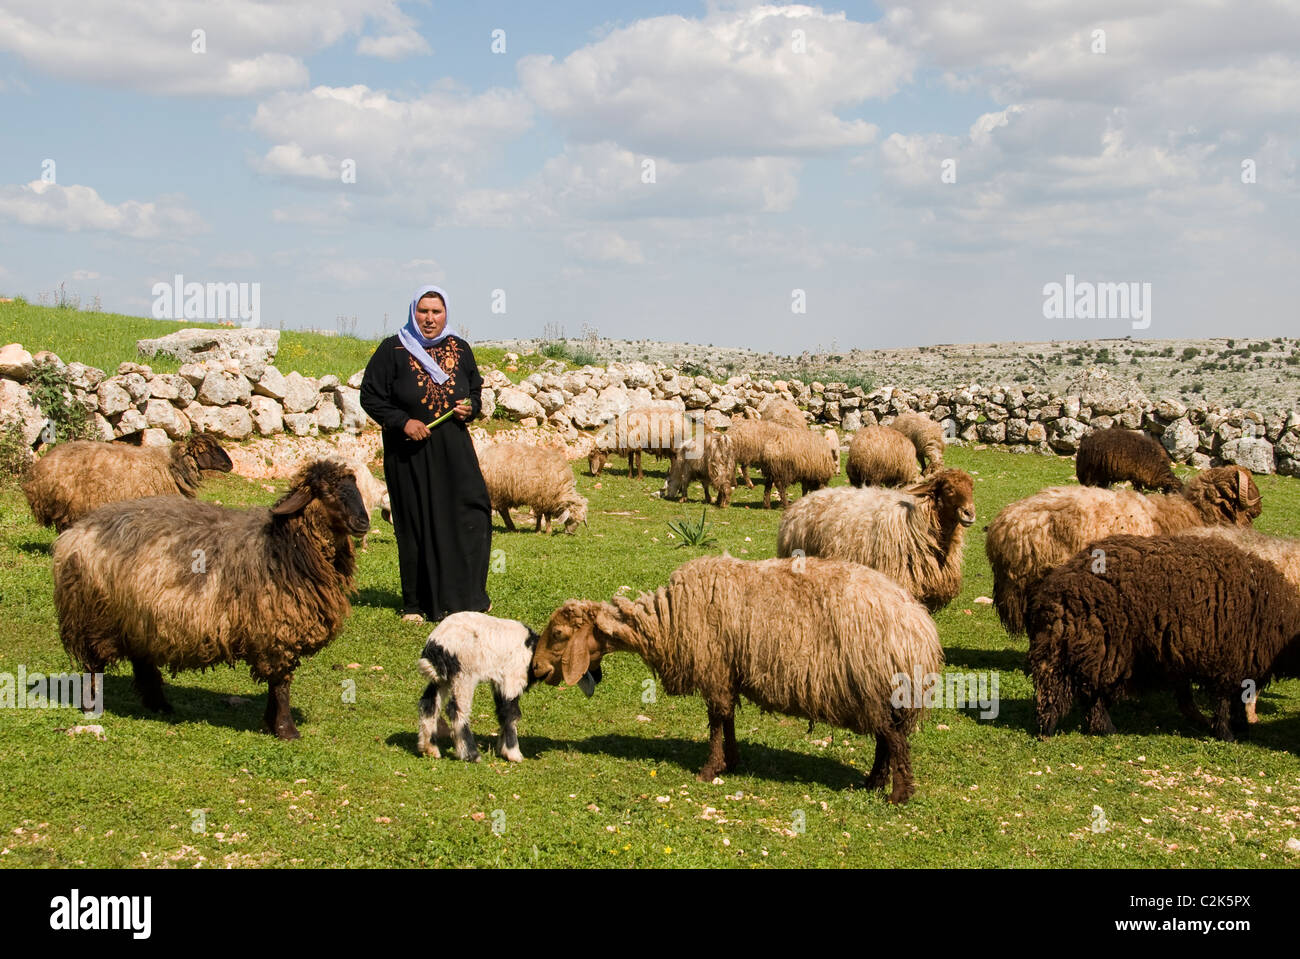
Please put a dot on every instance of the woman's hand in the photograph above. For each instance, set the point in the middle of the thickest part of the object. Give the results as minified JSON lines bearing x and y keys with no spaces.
{"x":415,"y":430}
{"x":464,"y":410}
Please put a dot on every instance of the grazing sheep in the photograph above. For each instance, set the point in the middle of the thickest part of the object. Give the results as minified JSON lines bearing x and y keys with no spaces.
{"x":709,"y":459}
{"x":517,"y":474}
{"x":926,"y":437}
{"x":1030,"y":536}
{"x":793,"y":456}
{"x":749,"y":438}
{"x":1112,"y":455}
{"x":1133,"y":612}
{"x":79,"y":476}
{"x":374,"y":493}
{"x":833,"y":442}
{"x":914,"y":536}
{"x":774,"y":409}
{"x":881,"y":456}
{"x":650,"y":429}
{"x":167,"y":581}
{"x":467,"y":649}
{"x":818,"y":638}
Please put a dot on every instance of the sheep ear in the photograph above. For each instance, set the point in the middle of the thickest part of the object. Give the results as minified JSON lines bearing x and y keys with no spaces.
{"x":563,"y":518}
{"x":294,"y":503}
{"x":577,"y":656}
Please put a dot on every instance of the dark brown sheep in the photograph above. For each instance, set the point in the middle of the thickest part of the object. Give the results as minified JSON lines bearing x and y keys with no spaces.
{"x":166,"y":581}
{"x":74,"y":478}
{"x":1134,"y":612}
{"x":1113,"y":455}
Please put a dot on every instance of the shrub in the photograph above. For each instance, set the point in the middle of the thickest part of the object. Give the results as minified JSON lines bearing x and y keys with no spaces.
{"x":14,"y":453}
{"x":51,"y":391}
{"x":555,"y":351}
{"x":1190,"y":352}
{"x":582,"y":357}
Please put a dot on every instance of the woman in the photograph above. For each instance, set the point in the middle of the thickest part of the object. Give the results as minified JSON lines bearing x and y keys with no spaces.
{"x":441,"y":511}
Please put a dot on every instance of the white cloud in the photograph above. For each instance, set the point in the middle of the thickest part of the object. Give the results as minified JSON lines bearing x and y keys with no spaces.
{"x":730,"y":84}
{"x":76,"y":208}
{"x":415,"y":149}
{"x":251,"y":45}
{"x":604,"y":246}
{"x":395,"y":47}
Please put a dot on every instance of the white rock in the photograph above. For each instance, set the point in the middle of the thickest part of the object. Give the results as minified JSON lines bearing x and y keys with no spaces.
{"x":113,"y":398}
{"x":154,"y":437}
{"x":300,"y":393}
{"x":16,"y":406}
{"x":268,"y":418}
{"x":16,"y":363}
{"x":351,"y":416}
{"x":518,"y":405}
{"x":300,"y":424}
{"x":130,"y":423}
{"x":327,"y":417}
{"x":270,"y":383}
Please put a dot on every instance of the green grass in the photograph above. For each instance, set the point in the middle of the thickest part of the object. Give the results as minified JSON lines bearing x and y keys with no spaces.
{"x":610,"y":780}
{"x":106,"y":339}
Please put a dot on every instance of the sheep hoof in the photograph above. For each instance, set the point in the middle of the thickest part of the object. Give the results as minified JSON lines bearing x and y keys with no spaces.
{"x":902,"y":794}
{"x":429,"y":749}
{"x":287,"y":732}
{"x":513,"y":756}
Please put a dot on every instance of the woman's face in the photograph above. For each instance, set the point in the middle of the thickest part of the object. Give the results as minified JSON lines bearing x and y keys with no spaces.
{"x":431,"y":315}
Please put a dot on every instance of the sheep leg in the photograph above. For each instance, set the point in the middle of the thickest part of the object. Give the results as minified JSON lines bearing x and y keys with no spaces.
{"x":640,"y":468}
{"x":745,"y":477}
{"x":900,"y":762}
{"x":278,"y":719}
{"x":1187,"y":705}
{"x":1098,"y":718}
{"x":148,"y":683}
{"x":458,"y":711}
{"x":505,"y":515}
{"x":878,"y":778}
{"x":730,"y":751}
{"x":426,"y":740}
{"x":93,"y":702}
{"x":767,"y":493}
{"x":1242,"y":714}
{"x":1222,"y":722}
{"x":508,"y":716}
{"x":717,"y":760}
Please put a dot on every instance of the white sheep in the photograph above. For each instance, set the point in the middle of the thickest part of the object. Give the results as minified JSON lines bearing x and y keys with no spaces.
{"x":467,"y":649}
{"x":518,"y":474}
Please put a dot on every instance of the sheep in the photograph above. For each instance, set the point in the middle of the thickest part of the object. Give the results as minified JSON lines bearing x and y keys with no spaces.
{"x":774,"y":409}
{"x":881,"y":456}
{"x":926,"y":437}
{"x":76,"y":477}
{"x":517,"y":474}
{"x":374,"y":493}
{"x":1129,"y":612}
{"x":824,"y":639}
{"x":463,"y":651}
{"x":1111,"y":455}
{"x":651,"y":429}
{"x":793,"y":456}
{"x":833,"y":443}
{"x":1283,"y":552}
{"x":1030,"y":536}
{"x":709,"y":459}
{"x":167,"y":581}
{"x":749,"y":438}
{"x":914,"y":536}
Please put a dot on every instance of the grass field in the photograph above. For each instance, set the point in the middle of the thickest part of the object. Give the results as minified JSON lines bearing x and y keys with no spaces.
{"x":610,"y":780}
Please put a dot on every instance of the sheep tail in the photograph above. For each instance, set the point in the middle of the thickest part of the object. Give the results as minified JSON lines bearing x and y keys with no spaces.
{"x":427,"y":668}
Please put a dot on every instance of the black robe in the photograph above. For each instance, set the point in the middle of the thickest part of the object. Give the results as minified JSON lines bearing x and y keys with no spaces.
{"x":442,"y":515}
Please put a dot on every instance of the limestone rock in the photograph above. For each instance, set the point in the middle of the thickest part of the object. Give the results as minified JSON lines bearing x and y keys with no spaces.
{"x":267,"y":416}
{"x":518,"y":405}
{"x":327,"y":417}
{"x":113,"y":397}
{"x":16,"y":406}
{"x":16,"y":363}
{"x":300,"y":424}
{"x":1180,"y":439}
{"x":1254,"y":454}
{"x":194,"y":345}
{"x":300,"y":393}
{"x":270,"y":383}
{"x":223,"y":389}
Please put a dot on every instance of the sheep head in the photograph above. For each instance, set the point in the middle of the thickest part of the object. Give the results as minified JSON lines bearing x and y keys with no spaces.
{"x":574,"y":513}
{"x":578,"y":634}
{"x":207,"y":453}
{"x":953,"y":493}
{"x":330,"y":488}
{"x":679,"y":481}
{"x":1225,"y":496}
{"x":596,"y":460}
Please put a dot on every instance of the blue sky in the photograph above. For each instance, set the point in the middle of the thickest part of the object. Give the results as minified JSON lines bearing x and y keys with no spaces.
{"x":794,"y":148}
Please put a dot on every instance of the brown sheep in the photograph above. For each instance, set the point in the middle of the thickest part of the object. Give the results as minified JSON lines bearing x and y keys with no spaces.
{"x":76,"y":477}
{"x":833,"y":444}
{"x":926,"y":437}
{"x":774,"y":409}
{"x":709,"y":459}
{"x":914,"y":536}
{"x":540,"y":477}
{"x":650,"y":429}
{"x":823,"y":639}
{"x":167,"y":581}
{"x":881,"y":456}
{"x":1134,"y":611}
{"x":374,"y":493}
{"x":749,"y":438}
{"x":1113,"y":455}
{"x":1030,"y":536}
{"x":791,"y":456}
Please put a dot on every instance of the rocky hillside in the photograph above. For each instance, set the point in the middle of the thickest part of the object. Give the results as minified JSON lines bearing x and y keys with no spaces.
{"x":1250,"y":373}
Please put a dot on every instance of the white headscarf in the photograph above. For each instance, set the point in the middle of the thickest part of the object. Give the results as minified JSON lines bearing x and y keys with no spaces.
{"x":415,"y":342}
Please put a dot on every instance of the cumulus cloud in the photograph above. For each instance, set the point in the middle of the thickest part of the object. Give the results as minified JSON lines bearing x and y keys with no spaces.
{"x":762,"y":81}
{"x":413,"y":148}
{"x":75,"y":208}
{"x":249,"y":46}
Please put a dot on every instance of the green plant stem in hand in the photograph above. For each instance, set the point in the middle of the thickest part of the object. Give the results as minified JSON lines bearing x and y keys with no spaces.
{"x":441,"y":418}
